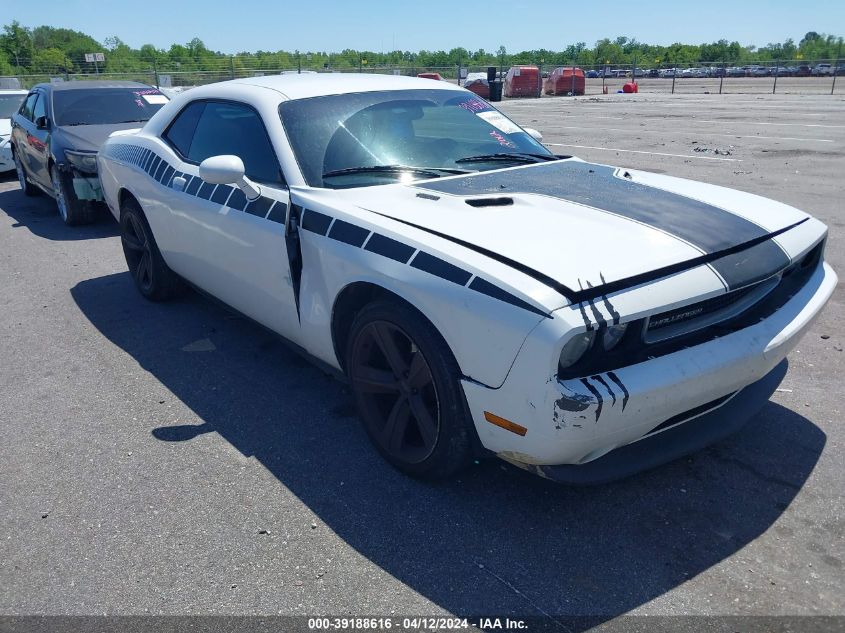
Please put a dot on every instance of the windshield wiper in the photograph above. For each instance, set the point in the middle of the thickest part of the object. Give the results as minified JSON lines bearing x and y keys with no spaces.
{"x":432,"y":172}
{"x":517,"y":157}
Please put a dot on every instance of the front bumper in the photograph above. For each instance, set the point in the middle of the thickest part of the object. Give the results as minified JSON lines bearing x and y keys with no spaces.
{"x":577,"y":421}
{"x":7,"y":163}
{"x":683,"y":438}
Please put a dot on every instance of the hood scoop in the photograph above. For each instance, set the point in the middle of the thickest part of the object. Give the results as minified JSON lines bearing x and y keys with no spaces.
{"x":501,"y":201}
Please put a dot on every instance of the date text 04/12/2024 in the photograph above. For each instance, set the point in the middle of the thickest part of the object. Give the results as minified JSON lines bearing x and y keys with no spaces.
{"x":415,"y":624}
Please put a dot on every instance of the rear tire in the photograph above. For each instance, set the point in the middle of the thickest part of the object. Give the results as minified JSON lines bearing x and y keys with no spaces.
{"x":153,"y":278}
{"x":27,"y":187}
{"x":407,"y":389}
{"x":72,"y":210}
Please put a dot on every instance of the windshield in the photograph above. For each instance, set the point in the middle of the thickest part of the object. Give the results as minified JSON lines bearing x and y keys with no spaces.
{"x":9,"y":104}
{"x":106,"y":105}
{"x":362,"y":139}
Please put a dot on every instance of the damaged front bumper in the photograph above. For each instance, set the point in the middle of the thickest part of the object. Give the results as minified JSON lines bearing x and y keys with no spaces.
{"x":646,"y":414}
{"x":86,"y":186}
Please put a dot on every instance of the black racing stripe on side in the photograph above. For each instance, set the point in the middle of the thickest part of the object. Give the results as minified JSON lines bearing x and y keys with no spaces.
{"x":260,"y":206}
{"x":193,"y":186}
{"x":390,"y":248}
{"x":441,"y":268}
{"x":525,"y":270}
{"x":237,"y":200}
{"x":205,"y":190}
{"x":167,"y":175}
{"x":751,"y":265}
{"x":153,"y":166}
{"x":278,"y":213}
{"x":348,"y":233}
{"x":221,"y":194}
{"x":316,"y":222}
{"x":158,"y":171}
{"x":491,"y":290}
{"x":148,"y":158}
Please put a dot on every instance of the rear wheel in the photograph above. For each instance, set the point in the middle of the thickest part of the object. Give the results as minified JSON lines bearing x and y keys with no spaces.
{"x":407,"y":389}
{"x":152,"y":276}
{"x":72,"y":210}
{"x":27,"y":187}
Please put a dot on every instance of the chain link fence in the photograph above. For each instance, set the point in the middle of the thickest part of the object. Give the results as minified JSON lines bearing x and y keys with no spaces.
{"x":797,"y":76}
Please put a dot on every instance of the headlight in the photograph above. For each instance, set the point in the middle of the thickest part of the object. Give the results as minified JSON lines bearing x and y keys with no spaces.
{"x":83,"y":161}
{"x":612,"y":335}
{"x":575,"y":348}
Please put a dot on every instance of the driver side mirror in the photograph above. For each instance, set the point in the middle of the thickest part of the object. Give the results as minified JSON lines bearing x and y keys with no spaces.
{"x":227,"y":169}
{"x":42,"y":123}
{"x":533,"y":133}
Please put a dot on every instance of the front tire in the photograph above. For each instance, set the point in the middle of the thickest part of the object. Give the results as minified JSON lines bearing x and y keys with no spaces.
{"x":72,"y":210}
{"x":407,"y":389}
{"x":153,"y":278}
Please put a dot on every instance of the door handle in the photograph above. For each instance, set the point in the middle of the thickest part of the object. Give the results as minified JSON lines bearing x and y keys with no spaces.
{"x":178,"y":183}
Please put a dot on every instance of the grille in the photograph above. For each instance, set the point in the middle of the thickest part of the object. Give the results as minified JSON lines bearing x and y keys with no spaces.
{"x":697,"y":310}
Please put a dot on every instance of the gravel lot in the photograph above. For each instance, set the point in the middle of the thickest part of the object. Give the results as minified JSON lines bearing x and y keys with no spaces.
{"x":176,"y":459}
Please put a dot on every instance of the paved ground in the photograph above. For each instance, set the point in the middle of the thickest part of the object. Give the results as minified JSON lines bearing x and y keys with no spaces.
{"x":175,"y":459}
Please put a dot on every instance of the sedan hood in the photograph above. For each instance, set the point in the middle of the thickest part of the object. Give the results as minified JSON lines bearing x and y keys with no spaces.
{"x":88,"y":137}
{"x":591,"y":228}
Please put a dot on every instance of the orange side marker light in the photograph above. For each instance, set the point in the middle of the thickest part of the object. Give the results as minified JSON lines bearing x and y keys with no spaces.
{"x":513,"y":427}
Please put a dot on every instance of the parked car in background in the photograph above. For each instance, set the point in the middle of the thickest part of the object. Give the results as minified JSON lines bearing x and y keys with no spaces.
{"x":10,"y":102}
{"x":58,"y":130}
{"x":593,"y":74}
{"x":719,"y":71}
{"x":736,"y":71}
{"x":759,"y":71}
{"x":822,"y":70}
{"x":803,"y":71}
{"x":411,"y":236}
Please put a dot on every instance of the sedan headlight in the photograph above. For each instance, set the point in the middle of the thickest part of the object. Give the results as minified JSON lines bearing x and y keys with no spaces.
{"x":83,"y":161}
{"x":575,"y":348}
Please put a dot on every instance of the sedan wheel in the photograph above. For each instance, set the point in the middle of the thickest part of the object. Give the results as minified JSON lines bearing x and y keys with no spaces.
{"x":407,"y":390}
{"x":27,"y":188}
{"x":72,"y":210}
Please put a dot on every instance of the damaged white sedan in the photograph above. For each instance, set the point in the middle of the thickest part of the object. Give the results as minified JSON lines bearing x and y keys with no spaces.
{"x":481,"y":294}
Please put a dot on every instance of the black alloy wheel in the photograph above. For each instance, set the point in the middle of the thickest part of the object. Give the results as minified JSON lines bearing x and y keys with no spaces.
{"x":407,"y":390}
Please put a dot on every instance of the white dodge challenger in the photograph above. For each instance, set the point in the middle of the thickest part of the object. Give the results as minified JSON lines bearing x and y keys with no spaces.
{"x":481,"y":294}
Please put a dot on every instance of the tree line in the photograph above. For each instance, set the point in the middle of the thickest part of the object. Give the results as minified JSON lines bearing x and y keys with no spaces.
{"x":46,"y":49}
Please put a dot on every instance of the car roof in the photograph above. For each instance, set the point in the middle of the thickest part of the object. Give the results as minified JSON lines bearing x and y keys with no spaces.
{"x":305,"y":85}
{"x":87,"y":85}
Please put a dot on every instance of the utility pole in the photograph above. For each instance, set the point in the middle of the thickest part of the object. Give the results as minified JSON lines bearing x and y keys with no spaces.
{"x":836,"y":67}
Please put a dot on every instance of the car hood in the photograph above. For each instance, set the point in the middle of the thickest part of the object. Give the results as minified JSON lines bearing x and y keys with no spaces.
{"x":88,"y":137}
{"x":588,"y":227}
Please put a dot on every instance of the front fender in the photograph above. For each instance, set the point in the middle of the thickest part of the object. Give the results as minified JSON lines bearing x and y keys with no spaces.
{"x":484,"y":333}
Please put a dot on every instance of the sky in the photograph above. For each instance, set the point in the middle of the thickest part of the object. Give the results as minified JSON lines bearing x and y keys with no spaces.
{"x":333,"y":25}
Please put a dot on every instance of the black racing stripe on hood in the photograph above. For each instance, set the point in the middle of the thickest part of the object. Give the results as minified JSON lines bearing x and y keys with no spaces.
{"x":705,"y":226}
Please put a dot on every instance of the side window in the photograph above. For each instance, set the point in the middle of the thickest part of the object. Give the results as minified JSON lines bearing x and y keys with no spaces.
{"x":28,"y":106}
{"x":227,"y":128}
{"x":39,"y":109}
{"x":181,"y":131}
